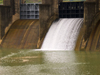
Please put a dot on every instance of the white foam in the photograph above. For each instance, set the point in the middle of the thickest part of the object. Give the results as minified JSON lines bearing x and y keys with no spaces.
{"x":62,"y":34}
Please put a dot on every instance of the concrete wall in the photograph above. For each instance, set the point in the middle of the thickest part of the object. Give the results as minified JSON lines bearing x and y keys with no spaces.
{"x":88,"y":16}
{"x":53,"y":4}
{"x":94,"y":39}
{"x":10,"y":3}
{"x":45,"y":13}
{"x":97,"y":4}
{"x":5,"y":19}
{"x":90,"y":10}
{"x":7,"y":16}
{"x":17,"y":5}
{"x":6,"y":2}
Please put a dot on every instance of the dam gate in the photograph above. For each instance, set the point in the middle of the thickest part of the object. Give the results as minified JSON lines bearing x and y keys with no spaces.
{"x":29,"y":11}
{"x":71,"y":10}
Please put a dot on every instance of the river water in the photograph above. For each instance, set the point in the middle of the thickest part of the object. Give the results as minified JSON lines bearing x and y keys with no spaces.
{"x":61,"y":37}
{"x":30,"y":62}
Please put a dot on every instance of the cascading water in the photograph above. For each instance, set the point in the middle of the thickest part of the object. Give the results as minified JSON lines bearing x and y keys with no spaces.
{"x":62,"y":34}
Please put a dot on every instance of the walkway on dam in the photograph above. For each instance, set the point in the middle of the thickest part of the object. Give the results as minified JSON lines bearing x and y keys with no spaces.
{"x":22,"y":34}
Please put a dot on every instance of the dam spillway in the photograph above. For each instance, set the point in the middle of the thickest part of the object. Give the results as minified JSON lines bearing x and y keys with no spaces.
{"x":62,"y":11}
{"x":62,"y":34}
{"x":22,"y":35}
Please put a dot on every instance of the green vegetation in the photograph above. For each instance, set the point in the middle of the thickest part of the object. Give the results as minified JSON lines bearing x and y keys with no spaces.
{"x":1,"y":1}
{"x":38,"y":1}
{"x":33,"y":1}
{"x":72,"y":0}
{"x":27,"y":1}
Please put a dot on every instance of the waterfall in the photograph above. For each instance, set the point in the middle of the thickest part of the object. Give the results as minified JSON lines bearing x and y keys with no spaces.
{"x":62,"y":34}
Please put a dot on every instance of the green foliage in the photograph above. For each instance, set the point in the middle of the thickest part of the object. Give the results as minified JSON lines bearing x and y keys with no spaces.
{"x":1,"y":1}
{"x":33,"y":1}
{"x":72,"y":0}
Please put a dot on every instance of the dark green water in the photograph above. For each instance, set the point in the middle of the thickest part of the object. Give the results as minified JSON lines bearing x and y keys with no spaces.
{"x":30,"y":62}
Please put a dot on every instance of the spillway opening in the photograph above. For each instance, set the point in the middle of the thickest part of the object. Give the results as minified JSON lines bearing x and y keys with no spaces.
{"x":71,"y":10}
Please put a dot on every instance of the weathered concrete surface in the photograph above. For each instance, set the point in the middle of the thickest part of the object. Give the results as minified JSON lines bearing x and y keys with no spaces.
{"x":5,"y":19}
{"x":92,"y":42}
{"x":85,"y":31}
{"x":91,"y":14}
{"x":15,"y":4}
{"x":53,"y":5}
{"x":88,"y":16}
{"x":45,"y":12}
{"x":22,"y":34}
{"x":15,"y":7}
{"x":9,"y":12}
{"x":10,"y":3}
{"x":94,"y":39}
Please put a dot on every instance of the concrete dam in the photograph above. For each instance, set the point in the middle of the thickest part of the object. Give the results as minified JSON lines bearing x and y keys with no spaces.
{"x":30,"y":33}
